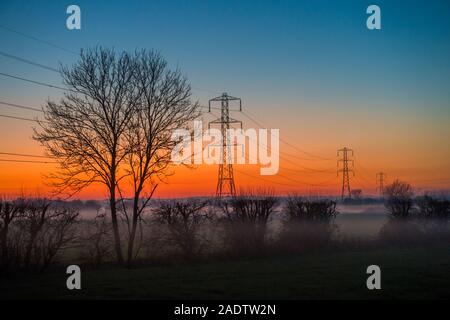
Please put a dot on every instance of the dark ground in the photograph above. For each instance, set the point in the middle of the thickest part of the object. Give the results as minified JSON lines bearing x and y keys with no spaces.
{"x":407,"y":273}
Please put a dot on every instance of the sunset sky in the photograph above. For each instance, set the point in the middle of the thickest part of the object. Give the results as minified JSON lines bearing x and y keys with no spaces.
{"x":309,"y":68}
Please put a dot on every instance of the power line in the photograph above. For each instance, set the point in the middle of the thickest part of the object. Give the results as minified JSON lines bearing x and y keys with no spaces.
{"x":15,"y":105}
{"x":20,"y":118}
{"x":11,"y":56}
{"x":24,"y":155}
{"x":280,"y":183}
{"x":297,"y":157}
{"x":26,"y":161}
{"x":306,"y":169}
{"x":266,"y":180}
{"x":365,"y":179}
{"x":361,"y":182}
{"x":212,"y":107}
{"x":226,"y":170}
{"x":432,"y":180}
{"x":286,"y":142}
{"x":328,"y":170}
{"x":281,"y":167}
{"x":38,"y":39}
{"x":309,"y":170}
{"x":289,"y":144}
{"x":362,"y":173}
{"x":282,"y":176}
{"x":61,"y":48}
{"x":302,"y":182}
{"x":321,"y":184}
{"x":20,"y":106}
{"x":37,"y":82}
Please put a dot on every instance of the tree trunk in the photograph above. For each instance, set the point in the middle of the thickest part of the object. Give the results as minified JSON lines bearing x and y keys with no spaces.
{"x":133,"y":231}
{"x":115,"y":225}
{"x":4,"y":259}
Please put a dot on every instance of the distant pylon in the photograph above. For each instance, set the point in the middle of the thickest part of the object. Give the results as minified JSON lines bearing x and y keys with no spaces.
{"x":225,"y":181}
{"x":345,"y":170}
{"x":380,"y":182}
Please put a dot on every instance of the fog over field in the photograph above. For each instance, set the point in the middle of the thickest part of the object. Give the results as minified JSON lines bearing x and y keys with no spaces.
{"x":353,"y":221}
{"x":361,"y":220}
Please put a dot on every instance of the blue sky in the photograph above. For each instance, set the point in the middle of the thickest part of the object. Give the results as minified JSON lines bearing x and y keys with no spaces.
{"x":311,"y":68}
{"x":320,"y":50}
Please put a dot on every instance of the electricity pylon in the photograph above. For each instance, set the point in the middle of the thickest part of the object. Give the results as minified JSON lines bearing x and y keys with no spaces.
{"x":380,"y":182}
{"x":225,"y":181}
{"x":345,"y":169}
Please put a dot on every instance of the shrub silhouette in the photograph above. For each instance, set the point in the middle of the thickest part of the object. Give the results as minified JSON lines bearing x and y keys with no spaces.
{"x":184,"y":220}
{"x":10,"y":211}
{"x":33,"y":233}
{"x":301,"y":210}
{"x":432,"y":208}
{"x":245,"y":220}
{"x":309,"y":223}
{"x":428,"y":223}
{"x":399,"y":199}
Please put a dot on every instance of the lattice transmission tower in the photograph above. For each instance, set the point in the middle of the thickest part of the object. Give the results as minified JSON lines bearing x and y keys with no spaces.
{"x":380,"y":183}
{"x":225,"y":181}
{"x":345,"y":169}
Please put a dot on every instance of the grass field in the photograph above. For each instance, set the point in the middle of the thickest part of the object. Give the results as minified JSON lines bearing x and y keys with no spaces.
{"x":407,"y":273}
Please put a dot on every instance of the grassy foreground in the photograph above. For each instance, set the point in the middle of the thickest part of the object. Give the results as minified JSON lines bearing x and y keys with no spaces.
{"x":407,"y":273}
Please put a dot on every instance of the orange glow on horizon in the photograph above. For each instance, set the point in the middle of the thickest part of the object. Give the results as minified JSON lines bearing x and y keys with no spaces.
{"x":411,"y":148}
{"x":308,"y":179}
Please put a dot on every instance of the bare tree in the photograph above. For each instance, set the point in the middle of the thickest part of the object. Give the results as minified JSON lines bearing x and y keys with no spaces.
{"x":84,"y":132}
{"x":246,"y":219}
{"x":9,"y":212}
{"x":434,"y":208}
{"x":399,"y":199}
{"x":55,"y":234}
{"x":114,"y":125}
{"x":164,"y":106}
{"x":37,"y":232}
{"x":35,"y":216}
{"x":300,"y":209}
{"x":184,"y":220}
{"x":309,"y":223}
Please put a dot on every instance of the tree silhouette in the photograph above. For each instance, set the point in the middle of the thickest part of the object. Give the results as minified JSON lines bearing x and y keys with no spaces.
{"x":164,"y":106}
{"x":114,"y":125}
{"x":399,"y":199}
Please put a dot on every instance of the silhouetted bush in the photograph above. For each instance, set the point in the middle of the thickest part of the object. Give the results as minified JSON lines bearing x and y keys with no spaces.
{"x":32,"y":240}
{"x":434,"y":215}
{"x":432,"y":208}
{"x":309,"y":224}
{"x":299,"y":209}
{"x":10,"y":211}
{"x":399,"y":199}
{"x":245,"y":220}
{"x":183,"y":221}
{"x":428,"y":223}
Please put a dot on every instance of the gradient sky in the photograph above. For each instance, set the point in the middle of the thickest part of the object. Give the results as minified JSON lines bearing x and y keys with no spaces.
{"x":310,"y":68}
